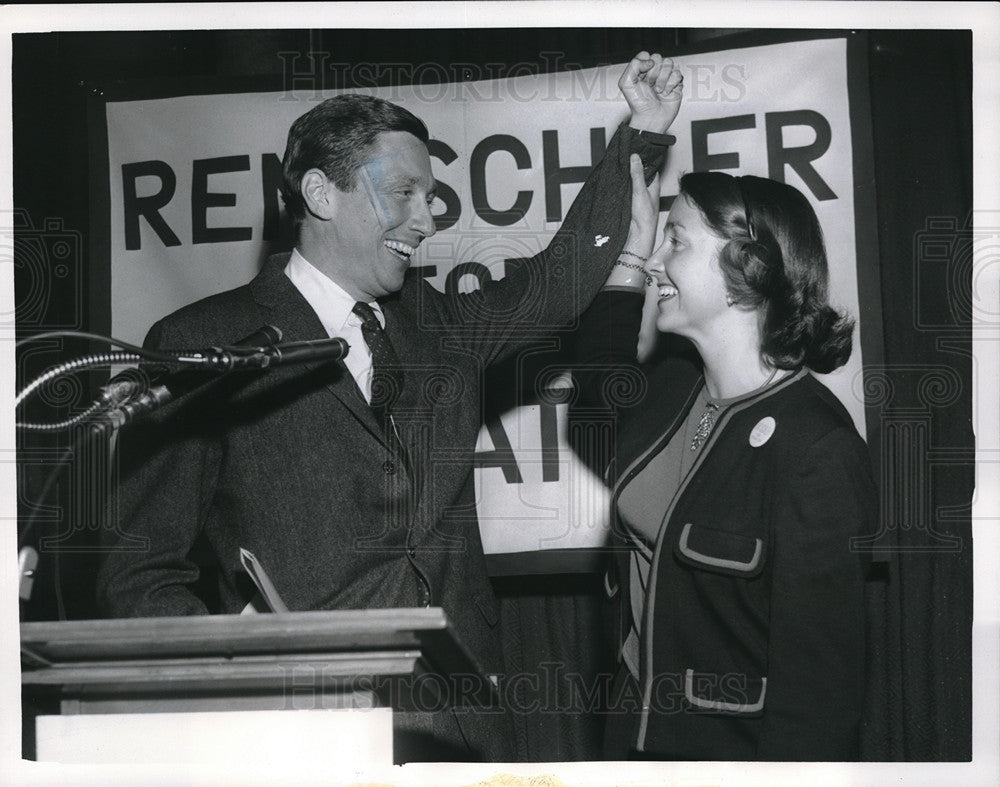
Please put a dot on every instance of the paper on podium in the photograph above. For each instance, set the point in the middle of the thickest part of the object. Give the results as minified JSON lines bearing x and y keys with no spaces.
{"x":267,"y":598}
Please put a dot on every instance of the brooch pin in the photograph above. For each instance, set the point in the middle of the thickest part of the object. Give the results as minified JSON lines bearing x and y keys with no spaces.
{"x":705,"y":424}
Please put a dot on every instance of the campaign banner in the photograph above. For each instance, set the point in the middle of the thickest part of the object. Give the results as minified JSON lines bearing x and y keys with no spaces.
{"x":195,"y":209}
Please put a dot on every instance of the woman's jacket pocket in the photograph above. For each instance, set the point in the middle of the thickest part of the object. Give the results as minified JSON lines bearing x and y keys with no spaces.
{"x":720,"y":551}
{"x":733,"y":694}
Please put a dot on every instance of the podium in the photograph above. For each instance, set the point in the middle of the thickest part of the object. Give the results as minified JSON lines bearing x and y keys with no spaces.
{"x":350,"y":668}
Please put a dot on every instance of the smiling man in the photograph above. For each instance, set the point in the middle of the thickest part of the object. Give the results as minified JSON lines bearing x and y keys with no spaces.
{"x":350,"y":480}
{"x":358,"y":181}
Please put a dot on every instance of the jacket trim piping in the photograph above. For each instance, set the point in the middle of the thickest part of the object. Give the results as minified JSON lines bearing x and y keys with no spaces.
{"x":719,"y":562}
{"x":722,"y":705}
{"x":636,"y":465}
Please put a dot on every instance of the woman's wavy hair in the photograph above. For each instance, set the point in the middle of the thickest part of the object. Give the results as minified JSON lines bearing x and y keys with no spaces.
{"x":337,"y":136}
{"x":774,"y":262}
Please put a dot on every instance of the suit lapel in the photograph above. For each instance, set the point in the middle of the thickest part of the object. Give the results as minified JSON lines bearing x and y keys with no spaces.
{"x":291,"y":312}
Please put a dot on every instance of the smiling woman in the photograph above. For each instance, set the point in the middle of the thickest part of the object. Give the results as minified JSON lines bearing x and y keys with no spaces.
{"x":692,"y":291}
{"x":739,"y":482}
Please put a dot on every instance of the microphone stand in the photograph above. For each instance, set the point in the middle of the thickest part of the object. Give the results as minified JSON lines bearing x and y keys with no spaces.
{"x":116,"y":406}
{"x":135,"y":393}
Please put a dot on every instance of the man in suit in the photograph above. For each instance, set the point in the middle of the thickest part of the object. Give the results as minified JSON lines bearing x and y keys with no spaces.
{"x":349,"y":480}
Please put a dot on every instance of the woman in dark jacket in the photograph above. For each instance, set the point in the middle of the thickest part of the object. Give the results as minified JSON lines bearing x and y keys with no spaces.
{"x":739,"y":484}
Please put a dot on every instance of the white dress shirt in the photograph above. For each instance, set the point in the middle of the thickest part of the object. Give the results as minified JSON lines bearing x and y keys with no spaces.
{"x":334,"y":308}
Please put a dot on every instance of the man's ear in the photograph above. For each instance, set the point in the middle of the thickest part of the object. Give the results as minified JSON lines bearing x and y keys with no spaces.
{"x":319,"y":194}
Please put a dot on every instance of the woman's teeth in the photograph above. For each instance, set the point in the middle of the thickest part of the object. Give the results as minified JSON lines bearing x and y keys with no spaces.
{"x":667,"y":291}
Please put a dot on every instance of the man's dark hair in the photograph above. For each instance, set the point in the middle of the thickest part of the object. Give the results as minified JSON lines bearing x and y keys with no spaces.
{"x":336,"y":137}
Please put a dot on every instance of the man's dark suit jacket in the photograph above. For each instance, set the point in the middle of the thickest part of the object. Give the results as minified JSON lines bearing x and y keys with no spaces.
{"x":292,"y":465}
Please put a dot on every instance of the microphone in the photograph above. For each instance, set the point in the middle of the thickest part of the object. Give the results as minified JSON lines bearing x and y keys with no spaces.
{"x":124,"y":386}
{"x":334,"y":349}
{"x":156,"y":385}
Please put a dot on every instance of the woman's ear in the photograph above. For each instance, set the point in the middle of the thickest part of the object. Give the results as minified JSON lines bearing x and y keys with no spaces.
{"x":317,"y":193}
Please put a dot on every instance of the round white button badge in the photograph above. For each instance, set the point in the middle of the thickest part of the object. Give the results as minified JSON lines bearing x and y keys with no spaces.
{"x":762,"y":432}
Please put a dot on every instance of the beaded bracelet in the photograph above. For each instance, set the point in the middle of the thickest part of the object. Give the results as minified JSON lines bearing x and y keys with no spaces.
{"x":633,"y":254}
{"x":631,"y":265}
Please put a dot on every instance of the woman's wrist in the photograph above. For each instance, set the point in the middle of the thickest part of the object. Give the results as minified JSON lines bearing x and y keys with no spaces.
{"x":629,"y":272}
{"x":641,"y":235}
{"x":628,"y":256}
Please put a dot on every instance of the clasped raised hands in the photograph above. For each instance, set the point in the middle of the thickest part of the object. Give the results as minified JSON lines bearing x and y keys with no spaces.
{"x":651,"y":85}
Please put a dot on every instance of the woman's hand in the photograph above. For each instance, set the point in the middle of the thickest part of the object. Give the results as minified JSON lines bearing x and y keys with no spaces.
{"x":645,"y":210}
{"x":652,"y":87}
{"x":630,"y":270}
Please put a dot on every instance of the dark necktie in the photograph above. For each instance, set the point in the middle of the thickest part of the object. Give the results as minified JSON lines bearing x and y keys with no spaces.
{"x":387,"y":374}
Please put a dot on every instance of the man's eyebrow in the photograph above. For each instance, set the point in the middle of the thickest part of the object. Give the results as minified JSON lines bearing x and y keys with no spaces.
{"x":404,"y":180}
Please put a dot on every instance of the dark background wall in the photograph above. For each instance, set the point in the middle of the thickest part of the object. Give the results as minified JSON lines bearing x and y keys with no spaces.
{"x":919,"y":88}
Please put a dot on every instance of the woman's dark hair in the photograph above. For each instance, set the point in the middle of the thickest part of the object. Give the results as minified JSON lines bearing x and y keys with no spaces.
{"x":336,"y":137}
{"x":774,"y":261}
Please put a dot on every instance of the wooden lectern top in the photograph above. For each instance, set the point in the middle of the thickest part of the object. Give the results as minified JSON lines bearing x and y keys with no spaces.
{"x":224,"y":653}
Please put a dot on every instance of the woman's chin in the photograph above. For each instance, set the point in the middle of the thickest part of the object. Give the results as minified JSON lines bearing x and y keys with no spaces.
{"x":665,"y":323}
